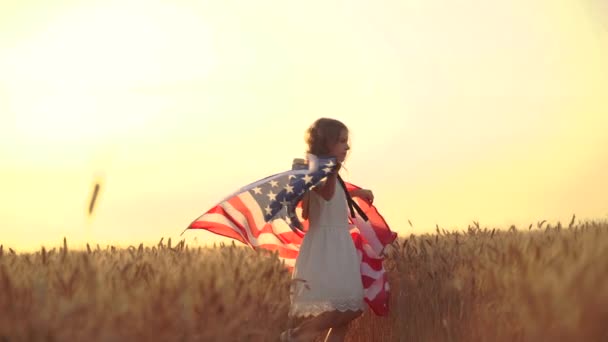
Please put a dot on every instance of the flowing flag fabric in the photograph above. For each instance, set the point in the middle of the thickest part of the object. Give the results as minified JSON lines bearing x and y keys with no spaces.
{"x":264,"y":215}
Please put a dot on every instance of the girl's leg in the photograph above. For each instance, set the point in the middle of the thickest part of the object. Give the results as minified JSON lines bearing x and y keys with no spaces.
{"x":344,"y":318}
{"x":338,"y":332}
{"x":315,"y":326}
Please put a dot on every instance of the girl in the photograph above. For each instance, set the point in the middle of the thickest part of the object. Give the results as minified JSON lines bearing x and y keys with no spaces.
{"x":327,"y":281}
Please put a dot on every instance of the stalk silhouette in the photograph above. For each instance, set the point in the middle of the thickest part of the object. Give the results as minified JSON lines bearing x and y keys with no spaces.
{"x":94,"y":197}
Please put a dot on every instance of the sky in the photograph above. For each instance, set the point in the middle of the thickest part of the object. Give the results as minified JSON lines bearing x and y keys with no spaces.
{"x":458,"y":111}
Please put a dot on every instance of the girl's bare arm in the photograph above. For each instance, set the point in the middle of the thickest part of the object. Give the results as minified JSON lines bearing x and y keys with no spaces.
{"x":364,"y":194}
{"x":305,"y":200}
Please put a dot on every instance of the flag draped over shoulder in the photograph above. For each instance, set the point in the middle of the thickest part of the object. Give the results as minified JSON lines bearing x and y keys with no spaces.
{"x":264,"y":215}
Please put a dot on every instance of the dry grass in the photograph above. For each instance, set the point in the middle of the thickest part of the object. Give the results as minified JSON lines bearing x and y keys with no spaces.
{"x":545,"y":283}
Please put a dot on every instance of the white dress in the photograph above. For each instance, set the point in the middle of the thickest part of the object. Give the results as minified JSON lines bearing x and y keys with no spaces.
{"x":327,"y":274}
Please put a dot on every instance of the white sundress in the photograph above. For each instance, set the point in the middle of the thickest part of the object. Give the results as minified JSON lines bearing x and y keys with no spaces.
{"x":327,"y":263}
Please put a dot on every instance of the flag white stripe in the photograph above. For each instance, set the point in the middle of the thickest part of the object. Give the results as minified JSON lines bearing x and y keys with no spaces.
{"x":238,"y":217}
{"x":374,"y":289}
{"x":254,"y":209}
{"x":370,"y":251}
{"x":369,"y":234}
{"x":367,"y":270}
{"x":280,"y":226}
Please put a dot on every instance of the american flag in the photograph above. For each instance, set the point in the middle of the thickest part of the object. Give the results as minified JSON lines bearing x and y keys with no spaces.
{"x":264,"y":215}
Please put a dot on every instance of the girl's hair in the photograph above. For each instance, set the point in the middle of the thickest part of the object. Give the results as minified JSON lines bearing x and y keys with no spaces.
{"x":323,"y":133}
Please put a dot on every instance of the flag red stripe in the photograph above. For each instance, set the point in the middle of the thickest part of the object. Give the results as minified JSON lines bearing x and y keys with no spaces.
{"x":219,"y":229}
{"x":290,"y":237}
{"x":367,"y":281}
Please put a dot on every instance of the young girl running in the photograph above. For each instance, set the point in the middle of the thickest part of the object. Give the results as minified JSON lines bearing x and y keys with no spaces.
{"x":327,"y":286}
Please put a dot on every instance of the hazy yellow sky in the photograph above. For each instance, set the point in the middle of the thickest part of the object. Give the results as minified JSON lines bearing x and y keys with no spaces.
{"x":492,"y":111}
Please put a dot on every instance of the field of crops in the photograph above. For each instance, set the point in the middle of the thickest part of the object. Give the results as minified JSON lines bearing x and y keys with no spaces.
{"x":539,"y":283}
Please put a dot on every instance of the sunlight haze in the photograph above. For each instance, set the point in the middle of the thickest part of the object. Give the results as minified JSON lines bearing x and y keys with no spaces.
{"x":458,"y":111}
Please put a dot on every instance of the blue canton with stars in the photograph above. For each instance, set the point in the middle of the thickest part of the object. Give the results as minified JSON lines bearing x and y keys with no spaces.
{"x":279,"y":195}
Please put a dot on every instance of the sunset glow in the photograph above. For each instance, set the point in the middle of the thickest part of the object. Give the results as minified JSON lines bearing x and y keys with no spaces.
{"x":458,"y":112}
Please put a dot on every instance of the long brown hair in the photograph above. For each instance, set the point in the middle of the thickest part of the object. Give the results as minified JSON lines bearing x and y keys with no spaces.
{"x":323,"y":133}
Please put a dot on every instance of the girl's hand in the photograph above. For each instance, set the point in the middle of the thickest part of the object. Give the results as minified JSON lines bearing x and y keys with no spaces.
{"x":365,"y":194}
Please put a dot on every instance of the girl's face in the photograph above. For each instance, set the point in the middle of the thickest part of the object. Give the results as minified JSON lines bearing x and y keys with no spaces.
{"x":340,"y":148}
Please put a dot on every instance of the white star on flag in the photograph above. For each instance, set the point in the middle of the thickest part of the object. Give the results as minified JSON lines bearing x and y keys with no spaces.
{"x":307,"y":179}
{"x":272,"y":196}
{"x":288,"y":188}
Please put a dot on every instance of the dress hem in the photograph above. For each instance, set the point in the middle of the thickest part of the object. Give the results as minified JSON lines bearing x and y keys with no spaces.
{"x":317,"y":308}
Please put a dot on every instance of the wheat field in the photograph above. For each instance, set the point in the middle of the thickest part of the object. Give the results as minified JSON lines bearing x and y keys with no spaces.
{"x":540,"y":283}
